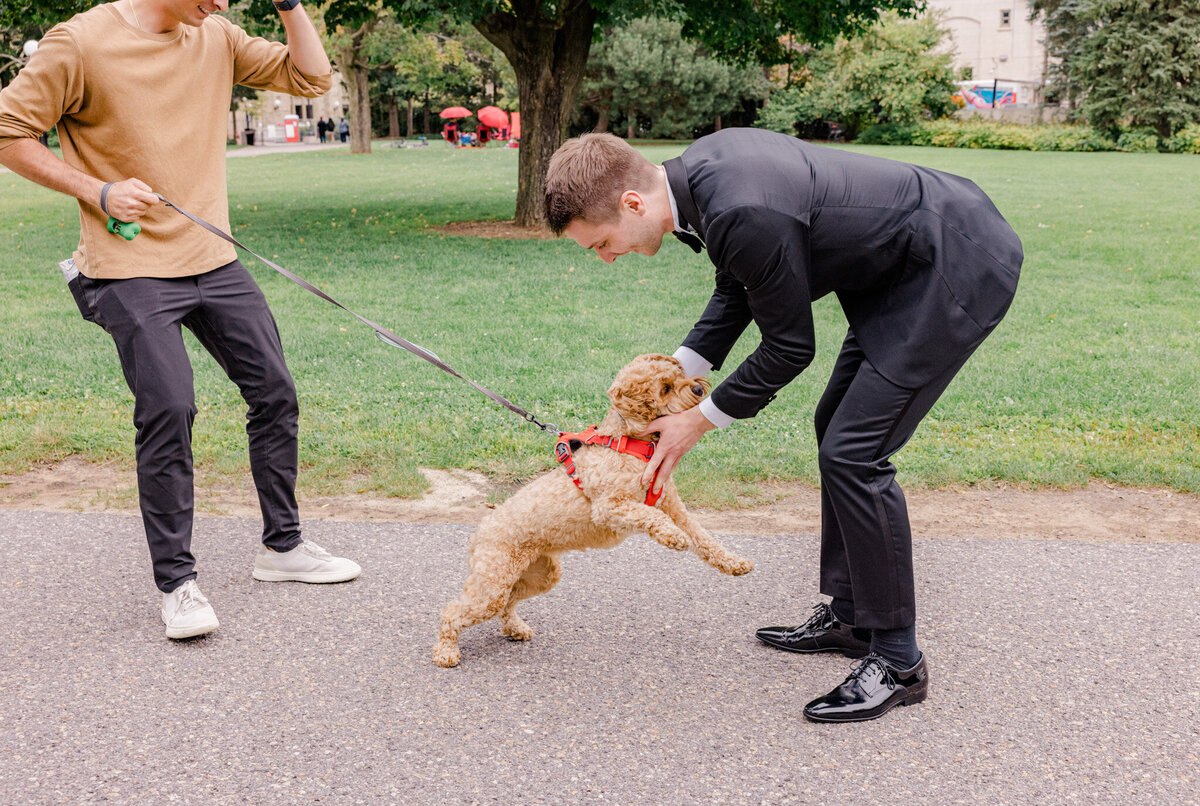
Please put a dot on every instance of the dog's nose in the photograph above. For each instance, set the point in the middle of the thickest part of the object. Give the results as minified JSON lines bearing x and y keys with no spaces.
{"x":697,"y":390}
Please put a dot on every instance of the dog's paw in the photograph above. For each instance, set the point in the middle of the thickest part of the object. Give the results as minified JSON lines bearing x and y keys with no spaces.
{"x":445,"y":656}
{"x":517,"y":630}
{"x":737,"y":566}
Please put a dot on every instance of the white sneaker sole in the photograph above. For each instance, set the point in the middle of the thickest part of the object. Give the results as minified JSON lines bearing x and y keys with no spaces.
{"x":175,"y":633}
{"x":315,"y":577}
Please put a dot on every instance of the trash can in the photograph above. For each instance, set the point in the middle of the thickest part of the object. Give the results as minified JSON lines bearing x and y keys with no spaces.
{"x":248,"y":136}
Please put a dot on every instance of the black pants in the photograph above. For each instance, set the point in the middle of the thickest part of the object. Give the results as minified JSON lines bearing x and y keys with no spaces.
{"x":866,"y":543}
{"x":226,"y":311}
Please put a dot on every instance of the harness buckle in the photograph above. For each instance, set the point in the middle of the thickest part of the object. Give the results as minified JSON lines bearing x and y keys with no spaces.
{"x":562,"y":451}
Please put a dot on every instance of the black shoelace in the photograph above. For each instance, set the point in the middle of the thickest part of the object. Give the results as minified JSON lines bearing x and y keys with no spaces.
{"x":859,"y":671}
{"x":821,"y":619}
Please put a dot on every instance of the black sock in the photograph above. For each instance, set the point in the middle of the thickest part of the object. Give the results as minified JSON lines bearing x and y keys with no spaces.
{"x":897,"y":647}
{"x":843,"y":611}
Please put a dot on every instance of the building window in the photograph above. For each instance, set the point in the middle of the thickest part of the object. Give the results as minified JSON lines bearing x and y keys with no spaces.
{"x":1005,"y":18}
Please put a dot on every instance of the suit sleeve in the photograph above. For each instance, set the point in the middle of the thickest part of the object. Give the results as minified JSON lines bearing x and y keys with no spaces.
{"x":725,"y":317}
{"x":766,"y":253}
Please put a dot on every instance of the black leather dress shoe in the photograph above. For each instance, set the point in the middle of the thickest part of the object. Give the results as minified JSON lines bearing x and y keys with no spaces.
{"x":821,"y":633}
{"x":872,"y":689}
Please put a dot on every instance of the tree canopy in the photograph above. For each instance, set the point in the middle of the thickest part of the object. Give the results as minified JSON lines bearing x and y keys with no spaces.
{"x":1126,"y":63}
{"x":889,"y":74}
{"x":22,"y":20}
{"x":646,"y":72}
{"x":1139,"y":64}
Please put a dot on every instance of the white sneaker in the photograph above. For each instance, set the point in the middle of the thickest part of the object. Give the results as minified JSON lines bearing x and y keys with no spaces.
{"x":308,"y":562}
{"x":187,"y":613}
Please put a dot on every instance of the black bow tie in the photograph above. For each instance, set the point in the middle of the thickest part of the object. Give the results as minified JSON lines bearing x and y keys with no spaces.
{"x":689,"y":239}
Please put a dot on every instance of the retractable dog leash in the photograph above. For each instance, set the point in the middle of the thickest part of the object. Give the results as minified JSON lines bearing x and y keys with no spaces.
{"x":129,"y":231}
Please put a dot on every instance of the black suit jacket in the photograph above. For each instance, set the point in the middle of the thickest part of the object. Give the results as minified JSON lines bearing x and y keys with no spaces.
{"x":922,"y":262}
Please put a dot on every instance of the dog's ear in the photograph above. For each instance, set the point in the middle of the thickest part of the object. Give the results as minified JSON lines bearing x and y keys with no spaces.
{"x":634,"y":401}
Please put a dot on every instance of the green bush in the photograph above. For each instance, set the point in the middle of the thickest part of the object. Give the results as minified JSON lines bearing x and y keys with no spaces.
{"x":1076,"y":138}
{"x":887,"y":134}
{"x":983,"y":134}
{"x":950,"y":133}
{"x":1186,"y":140}
{"x":1139,"y":141}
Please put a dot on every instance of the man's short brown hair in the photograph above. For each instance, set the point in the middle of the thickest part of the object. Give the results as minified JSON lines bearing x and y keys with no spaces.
{"x":587,"y":176}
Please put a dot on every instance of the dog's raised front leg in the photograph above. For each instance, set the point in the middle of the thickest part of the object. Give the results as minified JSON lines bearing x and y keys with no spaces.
{"x":703,"y":544}
{"x":626,"y":515}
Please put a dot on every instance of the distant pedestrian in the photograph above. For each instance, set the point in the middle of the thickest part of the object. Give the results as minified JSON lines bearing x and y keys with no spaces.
{"x":343,"y":130}
{"x":322,"y":128}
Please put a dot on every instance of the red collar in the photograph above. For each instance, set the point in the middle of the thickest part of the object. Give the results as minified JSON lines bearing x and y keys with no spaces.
{"x":641,"y":448}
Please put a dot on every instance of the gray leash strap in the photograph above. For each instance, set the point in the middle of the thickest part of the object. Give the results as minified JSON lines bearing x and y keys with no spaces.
{"x":384,"y":335}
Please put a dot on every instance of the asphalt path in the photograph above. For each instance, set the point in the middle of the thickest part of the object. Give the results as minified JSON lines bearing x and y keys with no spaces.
{"x":1060,"y":673}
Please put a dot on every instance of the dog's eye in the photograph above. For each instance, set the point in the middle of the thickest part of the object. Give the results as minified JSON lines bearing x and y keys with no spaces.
{"x":666,"y":388}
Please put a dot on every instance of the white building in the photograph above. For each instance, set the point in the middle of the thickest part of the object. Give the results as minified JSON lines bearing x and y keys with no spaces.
{"x":998,"y":42}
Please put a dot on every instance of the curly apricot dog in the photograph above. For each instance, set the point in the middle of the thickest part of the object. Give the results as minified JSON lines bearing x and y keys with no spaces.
{"x":515,"y":552}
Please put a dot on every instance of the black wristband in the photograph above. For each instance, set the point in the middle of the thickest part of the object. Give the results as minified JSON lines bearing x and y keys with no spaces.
{"x":286,"y":5}
{"x":104,"y":197}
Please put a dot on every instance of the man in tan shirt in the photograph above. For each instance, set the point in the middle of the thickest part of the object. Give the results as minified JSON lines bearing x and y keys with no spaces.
{"x":140,"y":91}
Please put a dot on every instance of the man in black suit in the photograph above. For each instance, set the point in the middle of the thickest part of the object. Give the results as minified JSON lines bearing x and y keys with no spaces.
{"x":924,"y":266}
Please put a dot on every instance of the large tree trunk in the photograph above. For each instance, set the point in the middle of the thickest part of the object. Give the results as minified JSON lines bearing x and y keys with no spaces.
{"x":549,"y":56}
{"x":353,"y":63}
{"x":410,"y":116}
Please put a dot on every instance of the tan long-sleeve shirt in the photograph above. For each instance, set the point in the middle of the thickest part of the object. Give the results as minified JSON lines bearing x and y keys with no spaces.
{"x":131,"y":104}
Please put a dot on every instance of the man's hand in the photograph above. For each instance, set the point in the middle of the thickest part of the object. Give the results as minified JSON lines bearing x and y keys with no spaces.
{"x":679,"y":433}
{"x":130,"y":200}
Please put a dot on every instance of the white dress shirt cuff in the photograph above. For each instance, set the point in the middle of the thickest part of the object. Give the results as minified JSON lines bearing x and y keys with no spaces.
{"x":693,"y":363}
{"x":714,"y":415}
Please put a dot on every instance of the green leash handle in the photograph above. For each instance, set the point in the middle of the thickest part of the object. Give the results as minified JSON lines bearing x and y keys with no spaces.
{"x":126,"y":229}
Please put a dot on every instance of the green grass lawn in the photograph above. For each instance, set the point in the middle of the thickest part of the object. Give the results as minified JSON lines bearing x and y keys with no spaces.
{"x":1094,"y":373}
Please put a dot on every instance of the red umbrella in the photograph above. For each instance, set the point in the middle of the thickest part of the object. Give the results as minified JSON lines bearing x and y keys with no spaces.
{"x":455,"y":112}
{"x":493,"y":116}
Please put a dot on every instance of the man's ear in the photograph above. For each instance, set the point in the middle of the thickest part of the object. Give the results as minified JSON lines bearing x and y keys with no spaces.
{"x":632,"y":201}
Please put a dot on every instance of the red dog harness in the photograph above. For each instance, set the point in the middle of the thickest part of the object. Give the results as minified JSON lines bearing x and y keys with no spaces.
{"x":641,"y":448}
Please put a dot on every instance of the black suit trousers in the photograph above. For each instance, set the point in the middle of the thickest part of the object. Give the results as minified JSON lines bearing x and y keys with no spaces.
{"x":228,"y":314}
{"x":861,"y":420}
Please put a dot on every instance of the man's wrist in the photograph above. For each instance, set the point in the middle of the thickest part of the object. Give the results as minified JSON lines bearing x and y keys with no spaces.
{"x":286,"y":5}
